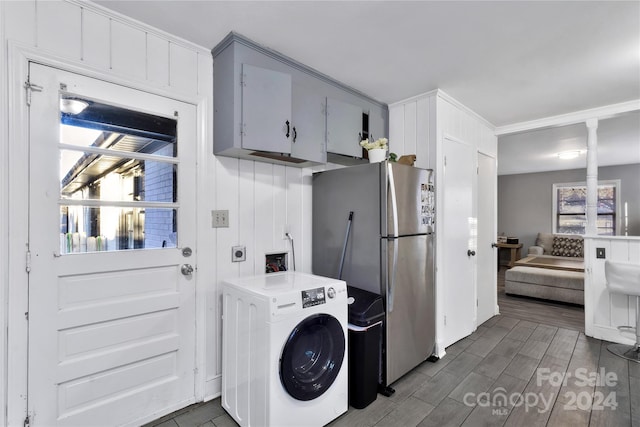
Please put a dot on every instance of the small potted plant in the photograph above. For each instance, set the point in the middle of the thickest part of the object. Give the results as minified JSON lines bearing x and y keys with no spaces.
{"x":377,"y":150}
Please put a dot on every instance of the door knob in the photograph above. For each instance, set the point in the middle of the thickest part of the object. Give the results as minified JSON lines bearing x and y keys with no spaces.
{"x":186,"y":269}
{"x":494,"y":245}
{"x":471,"y":253}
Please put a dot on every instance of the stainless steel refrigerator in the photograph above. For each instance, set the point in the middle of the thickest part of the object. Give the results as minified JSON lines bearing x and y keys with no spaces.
{"x":389,"y":250}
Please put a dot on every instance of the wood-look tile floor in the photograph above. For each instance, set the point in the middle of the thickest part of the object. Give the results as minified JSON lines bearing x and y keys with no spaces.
{"x":531,"y":365}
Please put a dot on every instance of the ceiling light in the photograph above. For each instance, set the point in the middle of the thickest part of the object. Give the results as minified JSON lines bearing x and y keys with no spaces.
{"x":72,"y":106}
{"x":568,"y":155}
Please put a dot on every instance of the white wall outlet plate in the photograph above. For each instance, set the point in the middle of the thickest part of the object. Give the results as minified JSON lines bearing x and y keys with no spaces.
{"x":219,"y":219}
{"x":238,"y":253}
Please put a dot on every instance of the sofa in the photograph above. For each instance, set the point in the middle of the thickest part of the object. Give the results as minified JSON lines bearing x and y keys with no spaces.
{"x":546,"y":283}
{"x":558,"y":245}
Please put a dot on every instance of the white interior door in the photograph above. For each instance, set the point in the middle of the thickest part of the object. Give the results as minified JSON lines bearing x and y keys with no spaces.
{"x":486,"y":254}
{"x":112,"y":206}
{"x":459,"y":226}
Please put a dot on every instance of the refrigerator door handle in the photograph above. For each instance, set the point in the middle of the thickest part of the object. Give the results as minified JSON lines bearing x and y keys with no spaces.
{"x":394,"y":200}
{"x":391,"y":280}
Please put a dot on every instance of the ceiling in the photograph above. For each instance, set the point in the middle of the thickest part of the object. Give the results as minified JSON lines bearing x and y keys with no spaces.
{"x":509,"y":61}
{"x":536,"y":151}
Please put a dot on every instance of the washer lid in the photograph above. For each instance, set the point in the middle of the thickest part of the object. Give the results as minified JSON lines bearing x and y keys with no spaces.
{"x":312,"y":357}
{"x":284,"y":282}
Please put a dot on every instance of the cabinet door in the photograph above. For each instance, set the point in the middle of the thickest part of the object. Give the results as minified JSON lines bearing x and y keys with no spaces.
{"x":309,"y":123}
{"x":344,"y":128}
{"x":266,"y":109}
{"x":377,"y":125}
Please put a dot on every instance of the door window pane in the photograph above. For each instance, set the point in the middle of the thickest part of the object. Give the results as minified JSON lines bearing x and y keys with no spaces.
{"x":89,"y":176}
{"x":118,"y":180}
{"x":110,"y":228}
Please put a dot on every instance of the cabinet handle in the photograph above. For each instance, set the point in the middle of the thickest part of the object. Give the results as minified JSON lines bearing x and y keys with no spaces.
{"x":295,"y":134}
{"x":287,"y":123}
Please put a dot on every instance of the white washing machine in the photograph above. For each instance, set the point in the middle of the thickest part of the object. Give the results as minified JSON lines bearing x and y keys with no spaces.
{"x":284,"y":349}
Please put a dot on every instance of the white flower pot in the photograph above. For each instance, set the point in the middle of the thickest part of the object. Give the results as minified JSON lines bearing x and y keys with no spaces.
{"x":377,"y":155}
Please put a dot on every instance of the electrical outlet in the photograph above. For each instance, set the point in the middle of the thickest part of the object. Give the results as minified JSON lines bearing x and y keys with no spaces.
{"x":238,"y":253}
{"x":600,"y":253}
{"x":219,"y":219}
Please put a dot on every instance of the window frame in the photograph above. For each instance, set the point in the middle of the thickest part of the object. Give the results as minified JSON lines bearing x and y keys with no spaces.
{"x":616,"y":183}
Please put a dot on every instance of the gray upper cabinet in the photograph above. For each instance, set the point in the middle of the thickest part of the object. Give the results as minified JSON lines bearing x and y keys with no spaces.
{"x":377,"y":125}
{"x":308,"y":132}
{"x":266,"y":110}
{"x":344,"y":128}
{"x":271,"y":108}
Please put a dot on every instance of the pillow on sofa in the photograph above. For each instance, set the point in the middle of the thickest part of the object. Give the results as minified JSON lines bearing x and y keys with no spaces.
{"x":545,"y":241}
{"x":568,"y":246}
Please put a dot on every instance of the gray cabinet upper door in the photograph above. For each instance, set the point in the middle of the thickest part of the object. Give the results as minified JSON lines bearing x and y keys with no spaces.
{"x":266,"y":109}
{"x":377,"y":123}
{"x":344,"y":128}
{"x":308,"y":133}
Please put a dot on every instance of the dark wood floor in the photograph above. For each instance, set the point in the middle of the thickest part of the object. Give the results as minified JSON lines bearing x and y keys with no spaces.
{"x":531,"y":365}
{"x":540,"y":311}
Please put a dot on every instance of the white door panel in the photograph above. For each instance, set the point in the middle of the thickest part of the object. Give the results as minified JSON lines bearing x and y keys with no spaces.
{"x":486,"y":254}
{"x":111,"y":334}
{"x":458,"y":229}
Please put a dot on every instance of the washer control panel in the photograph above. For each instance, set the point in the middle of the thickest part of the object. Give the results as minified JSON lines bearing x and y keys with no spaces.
{"x":313,"y":297}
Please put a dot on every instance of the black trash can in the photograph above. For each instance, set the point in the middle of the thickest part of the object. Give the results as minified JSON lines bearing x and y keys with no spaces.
{"x":366,"y":314}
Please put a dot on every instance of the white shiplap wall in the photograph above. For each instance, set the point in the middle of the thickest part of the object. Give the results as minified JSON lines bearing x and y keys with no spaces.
{"x":604,"y":311}
{"x":263,"y":200}
{"x":409,"y":128}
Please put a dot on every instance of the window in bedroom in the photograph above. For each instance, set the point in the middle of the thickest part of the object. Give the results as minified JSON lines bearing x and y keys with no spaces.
{"x":570,"y":205}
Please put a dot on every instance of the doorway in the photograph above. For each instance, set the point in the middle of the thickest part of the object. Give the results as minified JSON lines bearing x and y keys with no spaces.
{"x":112,"y":214}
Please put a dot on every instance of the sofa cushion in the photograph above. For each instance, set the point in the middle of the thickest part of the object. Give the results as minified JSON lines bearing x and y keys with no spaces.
{"x":572,"y":296}
{"x":546,"y":277}
{"x":545,"y":241}
{"x":567,"y":246}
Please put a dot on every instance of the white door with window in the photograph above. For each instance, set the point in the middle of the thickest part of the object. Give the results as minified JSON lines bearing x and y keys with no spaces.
{"x":111,"y":282}
{"x":459,"y":243}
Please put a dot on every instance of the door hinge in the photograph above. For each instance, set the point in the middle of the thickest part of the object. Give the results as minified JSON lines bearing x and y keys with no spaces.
{"x":28,"y":262}
{"x":243,"y":79}
{"x":27,"y":421}
{"x":445,"y":160}
{"x":445,"y":320}
{"x":30,"y":88}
